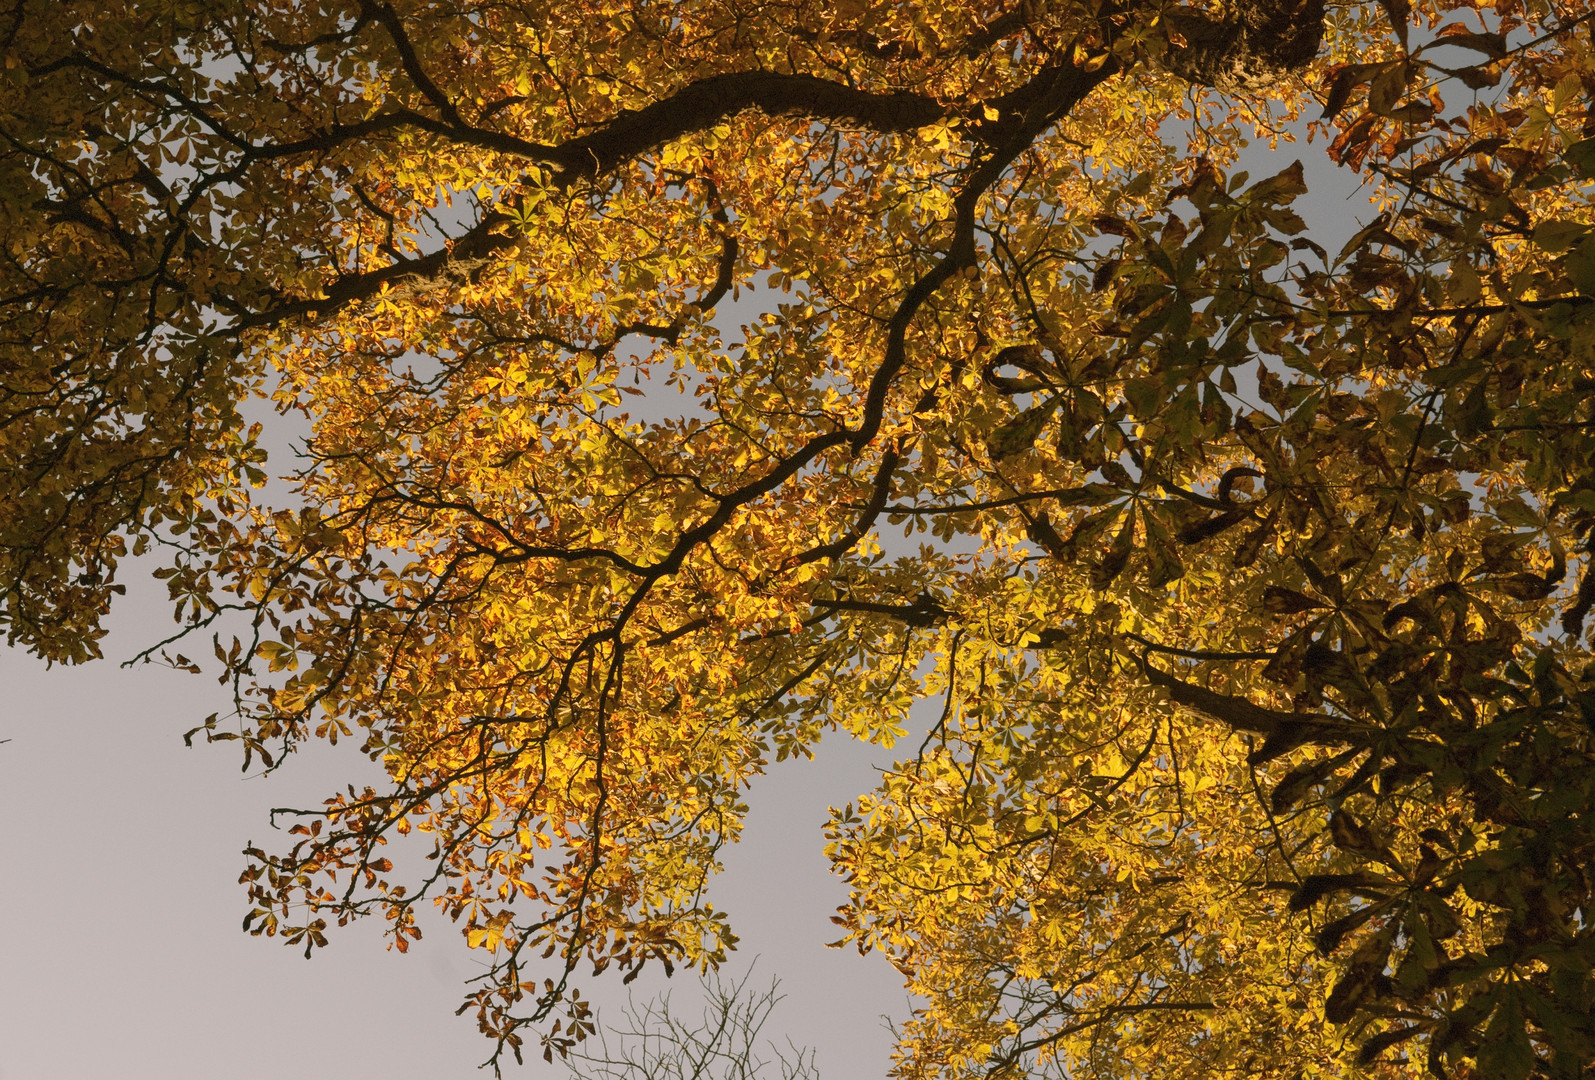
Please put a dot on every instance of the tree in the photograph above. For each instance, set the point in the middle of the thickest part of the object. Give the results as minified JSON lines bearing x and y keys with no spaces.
{"x":1252,"y":579}
{"x":658,"y":1044}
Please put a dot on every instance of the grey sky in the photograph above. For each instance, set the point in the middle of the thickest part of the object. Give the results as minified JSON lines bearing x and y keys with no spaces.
{"x":119,"y":911}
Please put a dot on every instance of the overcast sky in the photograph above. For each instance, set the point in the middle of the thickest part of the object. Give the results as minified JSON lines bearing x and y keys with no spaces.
{"x":120,"y":945}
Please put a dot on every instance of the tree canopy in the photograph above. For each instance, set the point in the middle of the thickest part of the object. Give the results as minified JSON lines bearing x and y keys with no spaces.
{"x":1250,"y":576}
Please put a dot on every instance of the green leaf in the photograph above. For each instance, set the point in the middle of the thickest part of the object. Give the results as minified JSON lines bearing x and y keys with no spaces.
{"x":1558,"y":236}
{"x":1581,"y":155}
{"x":1505,"y":1052}
{"x":1579,"y":265}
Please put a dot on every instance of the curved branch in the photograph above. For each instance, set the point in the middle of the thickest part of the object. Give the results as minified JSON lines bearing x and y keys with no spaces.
{"x":703,"y":104}
{"x":1281,"y":731}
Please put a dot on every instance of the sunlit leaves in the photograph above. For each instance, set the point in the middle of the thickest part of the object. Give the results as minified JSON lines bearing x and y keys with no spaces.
{"x":1247,"y":570}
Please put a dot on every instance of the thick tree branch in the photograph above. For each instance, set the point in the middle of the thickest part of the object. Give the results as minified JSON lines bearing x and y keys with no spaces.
{"x":701,"y":105}
{"x":921,"y":613}
{"x":1281,"y":731}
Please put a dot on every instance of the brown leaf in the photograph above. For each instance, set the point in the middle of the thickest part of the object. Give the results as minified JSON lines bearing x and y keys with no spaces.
{"x":1492,"y":45}
{"x":1281,"y":601}
{"x":1525,"y":586}
{"x":1347,"y":78}
{"x":1361,"y":980}
{"x":1104,"y":274}
{"x":1114,"y":225}
{"x":1251,"y":544}
{"x":1352,"y":145}
{"x":1281,"y":188}
{"x":1388,"y":88}
{"x":1349,"y":834}
{"x":1480,"y":76}
{"x":1112,"y":564}
{"x":1398,"y":11}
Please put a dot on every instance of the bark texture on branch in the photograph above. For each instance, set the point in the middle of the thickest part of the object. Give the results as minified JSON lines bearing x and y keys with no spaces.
{"x":1256,"y":44}
{"x":702,"y":104}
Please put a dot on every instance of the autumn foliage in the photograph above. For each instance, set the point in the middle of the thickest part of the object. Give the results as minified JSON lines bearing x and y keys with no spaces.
{"x":1248,"y":571}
